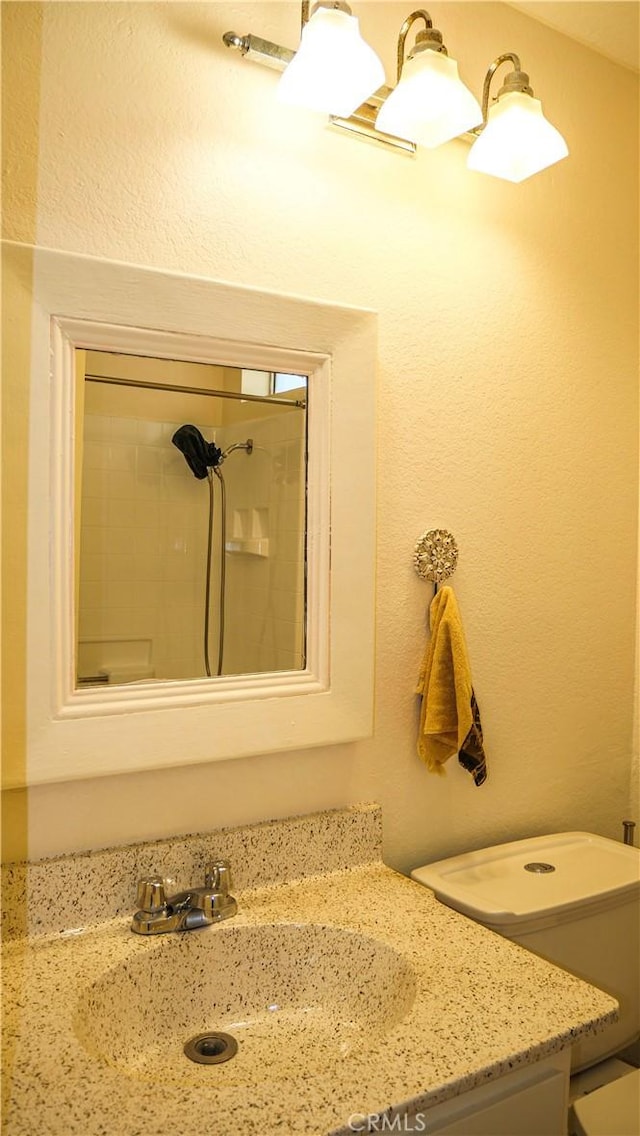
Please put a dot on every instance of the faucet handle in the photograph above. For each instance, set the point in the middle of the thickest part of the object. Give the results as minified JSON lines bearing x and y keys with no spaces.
{"x":217,"y":876}
{"x":151,"y":895}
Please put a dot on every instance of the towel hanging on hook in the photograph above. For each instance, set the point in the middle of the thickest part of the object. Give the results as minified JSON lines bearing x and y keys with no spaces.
{"x":449,"y":714}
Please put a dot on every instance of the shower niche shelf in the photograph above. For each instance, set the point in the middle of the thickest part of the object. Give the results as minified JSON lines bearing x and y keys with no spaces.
{"x":250,"y":546}
{"x":249,"y":528}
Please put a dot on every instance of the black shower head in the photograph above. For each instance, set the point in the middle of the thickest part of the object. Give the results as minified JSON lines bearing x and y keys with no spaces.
{"x":199,"y":454}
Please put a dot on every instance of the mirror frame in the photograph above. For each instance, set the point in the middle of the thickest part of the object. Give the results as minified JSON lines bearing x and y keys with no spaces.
{"x":84,"y":302}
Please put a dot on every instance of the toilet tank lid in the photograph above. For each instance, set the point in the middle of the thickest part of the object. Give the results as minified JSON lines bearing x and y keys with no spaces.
{"x":493,"y":885}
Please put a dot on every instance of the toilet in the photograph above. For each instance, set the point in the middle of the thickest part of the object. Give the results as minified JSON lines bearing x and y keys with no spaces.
{"x":574,"y":899}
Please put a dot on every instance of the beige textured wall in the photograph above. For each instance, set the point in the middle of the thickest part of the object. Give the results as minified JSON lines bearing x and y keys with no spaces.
{"x":21,"y":59}
{"x":634,"y":785}
{"x":507,"y":391}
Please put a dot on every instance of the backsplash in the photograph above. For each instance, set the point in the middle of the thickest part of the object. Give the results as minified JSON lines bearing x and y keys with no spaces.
{"x":67,"y":892}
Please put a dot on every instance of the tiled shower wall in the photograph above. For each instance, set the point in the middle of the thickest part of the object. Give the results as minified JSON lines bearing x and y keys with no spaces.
{"x":143,"y":550}
{"x":266,"y":503}
{"x":143,"y":545}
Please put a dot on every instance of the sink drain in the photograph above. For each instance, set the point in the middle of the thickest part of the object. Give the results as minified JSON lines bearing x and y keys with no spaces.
{"x":540,"y":867}
{"x":211,"y":1048}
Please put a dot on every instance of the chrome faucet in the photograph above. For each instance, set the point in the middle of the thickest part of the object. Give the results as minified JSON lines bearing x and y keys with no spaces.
{"x":196,"y":907}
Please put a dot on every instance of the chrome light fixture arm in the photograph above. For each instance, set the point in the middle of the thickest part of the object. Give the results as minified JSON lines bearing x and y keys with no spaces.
{"x":516,"y":80}
{"x":430,"y":39}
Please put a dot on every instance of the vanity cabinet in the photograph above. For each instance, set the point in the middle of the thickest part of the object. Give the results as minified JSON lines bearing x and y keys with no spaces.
{"x":532,"y":1101}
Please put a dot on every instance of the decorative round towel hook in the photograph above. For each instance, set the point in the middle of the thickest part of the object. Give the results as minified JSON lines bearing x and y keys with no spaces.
{"x":436,"y":555}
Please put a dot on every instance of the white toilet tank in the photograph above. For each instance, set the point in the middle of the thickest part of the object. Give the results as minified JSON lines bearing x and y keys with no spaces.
{"x":574,"y":899}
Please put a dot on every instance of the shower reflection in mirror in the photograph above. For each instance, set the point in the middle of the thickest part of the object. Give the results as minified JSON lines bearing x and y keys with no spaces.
{"x":174,"y":580}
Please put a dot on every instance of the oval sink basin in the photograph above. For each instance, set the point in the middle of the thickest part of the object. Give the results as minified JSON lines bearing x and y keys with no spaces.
{"x":294,"y":996}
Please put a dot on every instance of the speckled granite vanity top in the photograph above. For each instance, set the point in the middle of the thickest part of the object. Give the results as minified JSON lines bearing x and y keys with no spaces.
{"x":387,"y":995}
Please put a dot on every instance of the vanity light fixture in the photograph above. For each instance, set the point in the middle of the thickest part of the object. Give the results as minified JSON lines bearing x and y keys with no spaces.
{"x":516,"y":140}
{"x":333,"y":70}
{"x":430,"y":104}
{"x":336,"y":72}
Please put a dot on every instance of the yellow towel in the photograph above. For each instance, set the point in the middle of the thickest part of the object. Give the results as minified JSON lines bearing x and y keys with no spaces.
{"x":449,"y":716}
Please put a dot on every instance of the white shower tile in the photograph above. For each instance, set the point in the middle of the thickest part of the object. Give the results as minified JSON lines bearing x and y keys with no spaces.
{"x":93,"y":594}
{"x":146,"y":487}
{"x":121,"y":513}
{"x":119,"y":622}
{"x":94,"y":482}
{"x":124,"y":429}
{"x":147,"y":541}
{"x":150,"y":433}
{"x":93,"y":567}
{"x":95,"y":455}
{"x":121,"y":456}
{"x":182,"y":489}
{"x":120,"y":594}
{"x":96,"y":426}
{"x":94,"y":511}
{"x":148,"y":513}
{"x":149,"y":460}
{"x":91,"y":623}
{"x":120,"y":567}
{"x":121,"y":539}
{"x":173,"y":463}
{"x":143,"y":622}
{"x":147,"y":566}
{"x":121,"y":484}
{"x":148,"y":592}
{"x":93,"y":540}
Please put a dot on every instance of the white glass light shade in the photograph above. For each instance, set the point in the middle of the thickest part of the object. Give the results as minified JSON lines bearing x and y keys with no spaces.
{"x":431,"y":104}
{"x":517,"y":141}
{"x":333,"y":70}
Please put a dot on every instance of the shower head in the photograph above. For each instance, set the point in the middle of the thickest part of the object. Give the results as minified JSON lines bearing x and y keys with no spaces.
{"x":199,"y":454}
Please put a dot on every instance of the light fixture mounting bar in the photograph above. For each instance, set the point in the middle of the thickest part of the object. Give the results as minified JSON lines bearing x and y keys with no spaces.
{"x":260,"y":50}
{"x":363,"y":119}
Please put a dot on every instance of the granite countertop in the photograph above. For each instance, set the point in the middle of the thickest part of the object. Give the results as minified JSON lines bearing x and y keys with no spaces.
{"x":471,"y":1006}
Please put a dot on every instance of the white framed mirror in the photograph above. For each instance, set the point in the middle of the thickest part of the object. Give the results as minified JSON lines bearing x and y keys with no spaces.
{"x":84,"y":305}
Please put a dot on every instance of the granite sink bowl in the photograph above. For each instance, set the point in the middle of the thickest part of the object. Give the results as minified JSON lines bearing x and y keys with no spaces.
{"x":295,"y":997}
